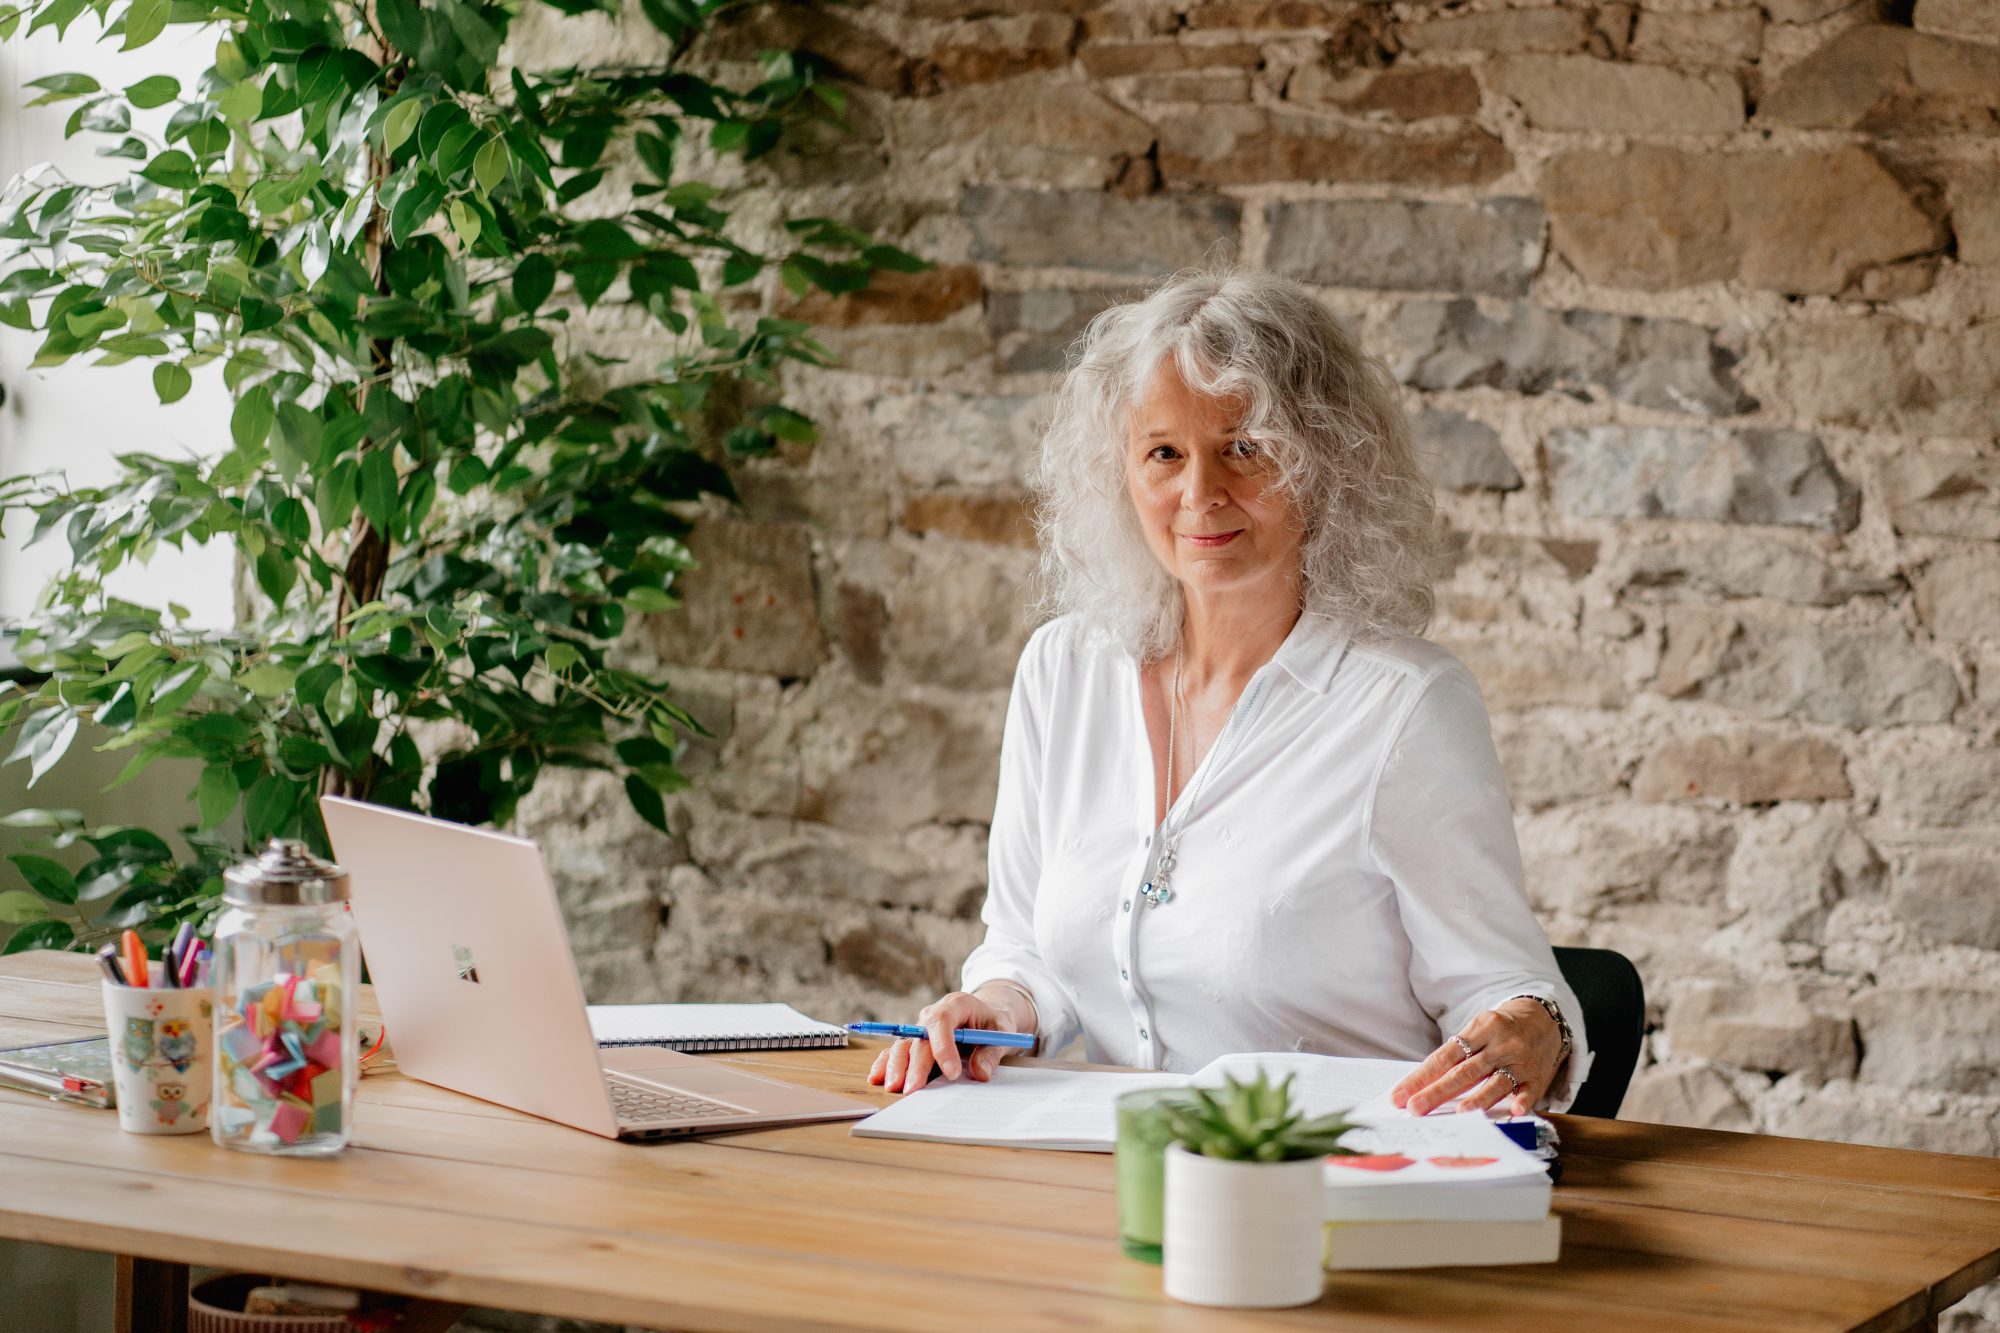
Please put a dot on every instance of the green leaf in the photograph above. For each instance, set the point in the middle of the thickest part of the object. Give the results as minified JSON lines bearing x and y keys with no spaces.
{"x":155,"y":91}
{"x":400,"y":123}
{"x":562,"y":657}
{"x":489,"y":167}
{"x":647,"y":802}
{"x":341,"y":699}
{"x":241,"y":102}
{"x":215,"y":794}
{"x":173,"y":169}
{"x":40,"y":935}
{"x":267,"y":681}
{"x":18,"y":907}
{"x":269,"y":807}
{"x":534,"y":279}
{"x":145,"y":20}
{"x":464,"y":221}
{"x":50,"y":745}
{"x":378,"y":489}
{"x":50,"y":879}
{"x":171,"y":382}
{"x":250,"y":423}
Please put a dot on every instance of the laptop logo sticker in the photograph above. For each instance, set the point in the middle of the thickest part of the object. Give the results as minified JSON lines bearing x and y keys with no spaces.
{"x":467,"y":969}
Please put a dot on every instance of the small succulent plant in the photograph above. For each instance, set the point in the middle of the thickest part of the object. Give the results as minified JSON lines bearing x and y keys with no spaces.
{"x":1251,"y":1122}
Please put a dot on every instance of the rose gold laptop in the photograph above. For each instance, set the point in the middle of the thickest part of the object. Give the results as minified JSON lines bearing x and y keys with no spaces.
{"x":471,"y":963}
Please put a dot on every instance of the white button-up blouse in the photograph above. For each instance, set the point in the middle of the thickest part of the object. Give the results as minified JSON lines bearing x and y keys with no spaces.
{"x":1346,"y":880}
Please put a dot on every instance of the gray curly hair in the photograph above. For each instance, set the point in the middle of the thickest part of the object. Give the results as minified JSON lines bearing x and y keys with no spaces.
{"x":1327,"y":416}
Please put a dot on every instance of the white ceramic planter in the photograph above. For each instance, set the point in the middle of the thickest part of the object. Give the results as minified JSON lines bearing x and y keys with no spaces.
{"x":1247,"y":1234}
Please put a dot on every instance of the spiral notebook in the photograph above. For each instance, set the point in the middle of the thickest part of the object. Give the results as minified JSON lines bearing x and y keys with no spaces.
{"x":710,"y":1027}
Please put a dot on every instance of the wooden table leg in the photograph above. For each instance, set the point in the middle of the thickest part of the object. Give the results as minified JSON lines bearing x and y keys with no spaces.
{"x":152,"y":1296}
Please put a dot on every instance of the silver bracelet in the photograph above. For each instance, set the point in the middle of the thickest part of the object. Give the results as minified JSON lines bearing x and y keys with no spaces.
{"x":1554,"y":1011}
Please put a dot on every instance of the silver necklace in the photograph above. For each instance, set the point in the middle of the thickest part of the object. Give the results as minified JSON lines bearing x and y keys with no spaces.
{"x":1157,"y":890}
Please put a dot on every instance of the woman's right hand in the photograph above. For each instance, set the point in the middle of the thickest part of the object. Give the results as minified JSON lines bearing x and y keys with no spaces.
{"x":906,"y":1064}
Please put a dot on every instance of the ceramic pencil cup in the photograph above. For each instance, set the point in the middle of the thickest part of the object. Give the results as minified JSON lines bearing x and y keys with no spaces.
{"x":162,"y":1056}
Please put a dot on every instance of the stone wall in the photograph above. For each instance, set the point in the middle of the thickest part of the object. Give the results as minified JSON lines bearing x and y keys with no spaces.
{"x":1697,"y":304}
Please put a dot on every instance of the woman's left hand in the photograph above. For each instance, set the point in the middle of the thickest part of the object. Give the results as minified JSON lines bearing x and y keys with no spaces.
{"x":1518,"y":1037}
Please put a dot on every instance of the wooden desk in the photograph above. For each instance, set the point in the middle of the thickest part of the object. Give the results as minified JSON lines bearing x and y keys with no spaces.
{"x":810,"y":1228}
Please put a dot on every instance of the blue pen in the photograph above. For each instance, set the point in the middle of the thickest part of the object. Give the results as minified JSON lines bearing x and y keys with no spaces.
{"x":1024,"y":1041}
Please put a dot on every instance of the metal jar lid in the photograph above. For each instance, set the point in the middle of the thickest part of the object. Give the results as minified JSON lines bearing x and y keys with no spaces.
{"x":286,"y":875}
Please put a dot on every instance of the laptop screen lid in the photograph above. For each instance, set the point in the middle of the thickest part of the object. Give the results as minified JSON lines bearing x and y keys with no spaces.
{"x":470,"y":958}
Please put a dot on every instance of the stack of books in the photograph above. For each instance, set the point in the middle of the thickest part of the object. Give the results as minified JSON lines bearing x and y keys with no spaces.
{"x":1401,"y":1205}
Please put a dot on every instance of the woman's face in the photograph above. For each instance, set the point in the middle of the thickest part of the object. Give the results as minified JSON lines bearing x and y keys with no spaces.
{"x":1207,"y":497}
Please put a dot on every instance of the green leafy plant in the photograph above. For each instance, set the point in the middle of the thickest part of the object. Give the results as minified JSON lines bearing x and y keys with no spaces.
{"x":450,"y":509}
{"x":1251,"y":1122}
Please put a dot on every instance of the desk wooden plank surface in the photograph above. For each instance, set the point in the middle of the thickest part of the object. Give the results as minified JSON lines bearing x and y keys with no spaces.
{"x":809,"y":1228}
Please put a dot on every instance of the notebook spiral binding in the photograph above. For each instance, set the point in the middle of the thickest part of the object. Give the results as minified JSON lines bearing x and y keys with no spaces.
{"x":748,"y":1041}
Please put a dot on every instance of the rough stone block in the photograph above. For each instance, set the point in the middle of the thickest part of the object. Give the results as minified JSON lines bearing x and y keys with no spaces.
{"x":1955,"y":789}
{"x":1808,"y":11}
{"x":1497,"y":31}
{"x":1659,"y":218}
{"x":1846,"y":1112}
{"x":1720,"y":37}
{"x":1746,"y":768}
{"x":889,"y":957}
{"x":1242,"y":15}
{"x":962,"y":618}
{"x":1403,"y":92}
{"x":1745,"y":564}
{"x":1460,"y":453}
{"x":1619,"y":861}
{"x":1888,"y":79}
{"x":850,"y":50}
{"x":830,"y":502}
{"x":1732,"y":476}
{"x":938,"y":440}
{"x":879,"y":764}
{"x":1944,"y":495}
{"x":1045,"y":128}
{"x":1931,"y":1037}
{"x":1891,"y":374}
{"x":1974,"y":194}
{"x":1035,"y":328}
{"x":1685,"y":1094}
{"x":1792,"y":865}
{"x":1251,"y":146}
{"x":1546,"y":768}
{"x":1975,"y":19}
{"x":1764,"y":1025}
{"x":990,"y":49}
{"x":749,"y":605}
{"x":1844,"y":678}
{"x":1106,"y":60}
{"x":916,"y":351}
{"x":1663,"y":363}
{"x":1539,"y":672}
{"x":893,"y":298}
{"x":1494,"y":246}
{"x":1001,"y":519}
{"x":1958,"y":594}
{"x":859,"y":620}
{"x":1951,"y":897}
{"x":1155,"y":234}
{"x":1617,"y":97}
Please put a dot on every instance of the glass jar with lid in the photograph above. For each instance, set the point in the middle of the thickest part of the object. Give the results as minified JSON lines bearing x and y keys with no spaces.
{"x":286,"y":1036}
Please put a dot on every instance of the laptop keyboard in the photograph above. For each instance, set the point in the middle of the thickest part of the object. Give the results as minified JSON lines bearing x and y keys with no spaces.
{"x":651,"y":1105}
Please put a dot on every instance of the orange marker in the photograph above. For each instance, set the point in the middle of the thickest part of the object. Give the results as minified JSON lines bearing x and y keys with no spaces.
{"x":135,"y":959}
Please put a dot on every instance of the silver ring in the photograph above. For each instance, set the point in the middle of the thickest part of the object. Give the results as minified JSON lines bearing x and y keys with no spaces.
{"x":1514,"y":1083}
{"x":1465,"y":1047}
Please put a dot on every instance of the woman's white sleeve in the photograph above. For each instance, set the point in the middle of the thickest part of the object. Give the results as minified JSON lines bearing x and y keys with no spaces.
{"x":1014,"y":860}
{"x":1442,"y":831}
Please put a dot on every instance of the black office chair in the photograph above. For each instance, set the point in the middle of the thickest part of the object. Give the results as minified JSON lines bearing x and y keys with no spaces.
{"x":1614,"y":1019}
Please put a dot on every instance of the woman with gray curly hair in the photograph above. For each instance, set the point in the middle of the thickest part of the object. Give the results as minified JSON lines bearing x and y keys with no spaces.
{"x":1242,"y":807}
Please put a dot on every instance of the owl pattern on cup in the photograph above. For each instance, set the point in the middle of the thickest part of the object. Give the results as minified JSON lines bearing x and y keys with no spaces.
{"x":138,"y":1042}
{"x":177,"y":1043}
{"x":172,"y":1103}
